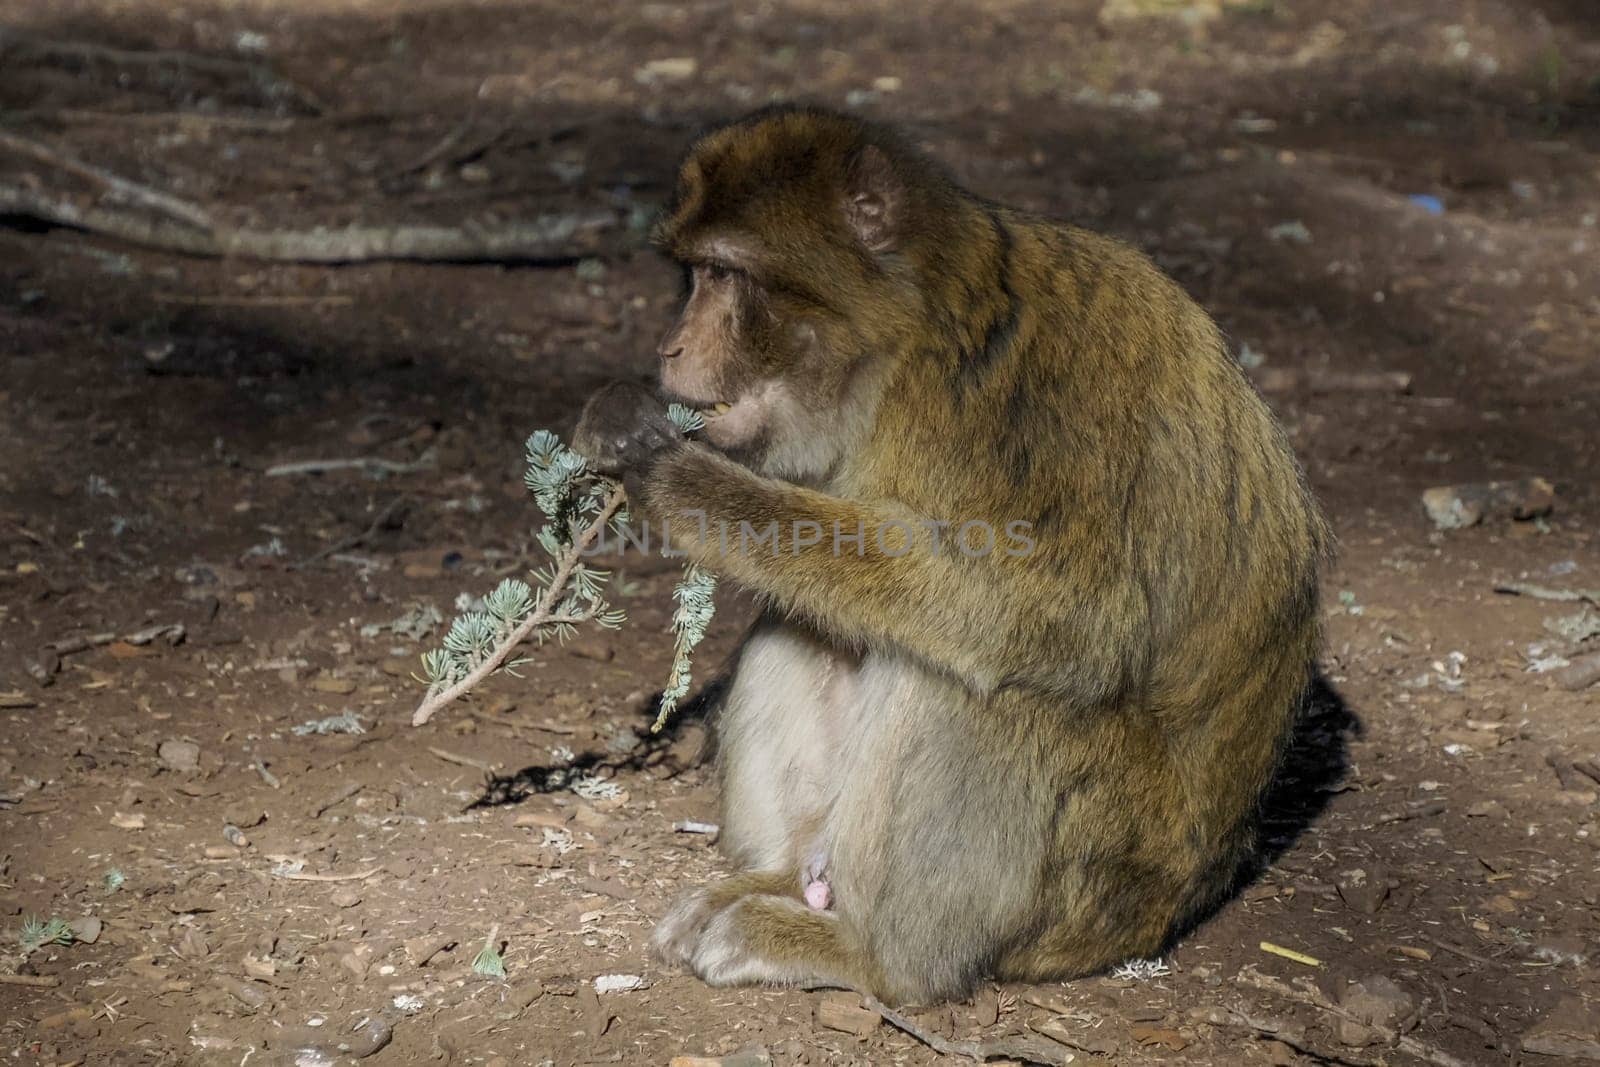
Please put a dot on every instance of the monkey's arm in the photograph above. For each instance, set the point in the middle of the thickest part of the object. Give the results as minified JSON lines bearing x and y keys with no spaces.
{"x":979,"y":617}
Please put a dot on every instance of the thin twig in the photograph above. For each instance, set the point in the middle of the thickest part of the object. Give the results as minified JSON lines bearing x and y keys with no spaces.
{"x":306,"y":876}
{"x":268,"y":300}
{"x":1007,"y":1048}
{"x":173,"y":632}
{"x":1543,"y":592}
{"x":130,"y":191}
{"x":269,"y":84}
{"x":1421,"y":810}
{"x":446,"y":146}
{"x":366,"y":464}
{"x":1289,"y":1033}
{"x":194,"y":119}
{"x":1458,"y":951}
{"x":1307,"y":993}
{"x":338,"y":798}
{"x":1566,"y":773}
{"x":356,"y":539}
{"x":543,"y":238}
{"x":462,"y":761}
{"x":266,"y":775}
{"x":543,"y":614}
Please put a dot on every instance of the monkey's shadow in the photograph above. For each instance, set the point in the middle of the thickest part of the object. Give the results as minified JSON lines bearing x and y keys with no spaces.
{"x":653,"y":753}
{"x":1311,"y":774}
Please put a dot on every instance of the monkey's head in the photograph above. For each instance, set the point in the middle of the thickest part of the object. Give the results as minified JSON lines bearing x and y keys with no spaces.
{"x":791,"y":226}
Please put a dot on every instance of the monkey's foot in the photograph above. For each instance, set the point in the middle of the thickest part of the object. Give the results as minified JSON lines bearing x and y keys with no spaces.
{"x":679,"y":932}
{"x":674,"y":939}
{"x":773,"y":940}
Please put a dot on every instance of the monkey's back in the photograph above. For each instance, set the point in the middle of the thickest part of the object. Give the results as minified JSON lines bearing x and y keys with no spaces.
{"x":1223,"y":543}
{"x":1159,"y":486}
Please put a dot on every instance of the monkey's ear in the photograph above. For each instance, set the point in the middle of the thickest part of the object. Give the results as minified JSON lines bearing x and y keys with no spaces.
{"x":874,"y":199}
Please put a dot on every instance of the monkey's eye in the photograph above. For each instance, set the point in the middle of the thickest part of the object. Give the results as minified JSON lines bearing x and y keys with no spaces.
{"x":718,"y":272}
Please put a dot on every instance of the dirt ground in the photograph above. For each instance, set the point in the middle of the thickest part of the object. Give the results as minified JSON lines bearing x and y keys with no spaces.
{"x":1429,"y":838}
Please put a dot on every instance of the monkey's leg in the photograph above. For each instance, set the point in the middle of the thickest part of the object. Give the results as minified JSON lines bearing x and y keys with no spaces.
{"x":777,"y":737}
{"x":941,"y":832}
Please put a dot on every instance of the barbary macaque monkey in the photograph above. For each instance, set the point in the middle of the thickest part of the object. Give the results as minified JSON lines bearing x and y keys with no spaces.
{"x":940,"y":763}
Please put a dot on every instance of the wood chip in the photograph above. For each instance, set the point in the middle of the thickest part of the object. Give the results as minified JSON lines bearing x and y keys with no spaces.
{"x":845,"y":1012}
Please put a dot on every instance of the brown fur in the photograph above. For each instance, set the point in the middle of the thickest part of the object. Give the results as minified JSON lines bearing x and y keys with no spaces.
{"x":1032,"y":766}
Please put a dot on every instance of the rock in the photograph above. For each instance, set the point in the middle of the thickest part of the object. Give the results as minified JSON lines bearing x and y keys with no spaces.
{"x":345,"y":898}
{"x":244,"y":816}
{"x":1580,"y":674}
{"x":1190,"y":12}
{"x":325,"y":1044}
{"x":65,"y":1018}
{"x":845,"y":1012}
{"x":86,"y":929}
{"x":1293,"y":380}
{"x":1452,"y":507}
{"x":193,"y":945}
{"x":420,"y":950}
{"x":182,"y":757}
{"x":127,"y":822}
{"x":256,"y":967}
{"x":622,"y":742}
{"x":1164,"y":1036}
{"x":556,"y":820}
{"x":1570,"y":1029}
{"x":1279,"y":1054}
{"x":251,"y":996}
{"x":521,"y":996}
{"x":753,"y":1056}
{"x":1364,"y":890}
{"x":675,"y":68}
{"x":542,"y":857}
{"x":203,"y":575}
{"x":618,"y":983}
{"x":1501,"y":904}
{"x":1569,"y":951}
{"x":1374,"y":1001}
{"x":327,"y":683}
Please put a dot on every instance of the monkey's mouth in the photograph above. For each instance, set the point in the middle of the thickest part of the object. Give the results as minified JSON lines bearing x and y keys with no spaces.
{"x":736,"y":422}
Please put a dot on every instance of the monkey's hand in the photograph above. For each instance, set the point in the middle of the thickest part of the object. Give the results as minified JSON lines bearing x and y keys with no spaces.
{"x":624,"y":427}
